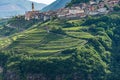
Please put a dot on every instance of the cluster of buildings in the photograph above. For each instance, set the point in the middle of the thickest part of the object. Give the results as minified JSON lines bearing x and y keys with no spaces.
{"x":94,"y":7}
{"x":34,"y":14}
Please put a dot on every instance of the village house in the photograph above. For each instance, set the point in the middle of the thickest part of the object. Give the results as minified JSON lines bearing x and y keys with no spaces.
{"x":91,"y":10}
{"x":76,"y":12}
{"x":50,"y":14}
{"x":73,"y":12}
{"x":101,"y":4}
{"x":103,"y":10}
{"x":92,"y":2}
{"x":32,"y":14}
{"x":96,"y":7}
{"x":61,"y":13}
{"x":112,"y":3}
{"x":46,"y":17}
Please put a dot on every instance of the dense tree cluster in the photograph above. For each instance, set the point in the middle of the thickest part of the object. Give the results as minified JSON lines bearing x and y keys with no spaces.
{"x":76,"y":2}
{"x":116,"y":8}
{"x":15,"y":25}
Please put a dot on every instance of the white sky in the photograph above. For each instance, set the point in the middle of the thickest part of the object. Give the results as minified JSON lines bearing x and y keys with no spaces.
{"x":44,"y":1}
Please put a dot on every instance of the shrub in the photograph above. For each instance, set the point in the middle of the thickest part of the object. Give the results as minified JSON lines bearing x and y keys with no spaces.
{"x":68,"y":51}
{"x":116,"y":8}
{"x":57,"y":30}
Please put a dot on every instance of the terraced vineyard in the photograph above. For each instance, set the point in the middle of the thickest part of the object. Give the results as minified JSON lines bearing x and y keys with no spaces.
{"x":37,"y":42}
{"x":4,"y":42}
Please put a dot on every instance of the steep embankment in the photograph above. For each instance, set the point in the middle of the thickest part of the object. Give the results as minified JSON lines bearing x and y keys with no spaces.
{"x":65,"y":49}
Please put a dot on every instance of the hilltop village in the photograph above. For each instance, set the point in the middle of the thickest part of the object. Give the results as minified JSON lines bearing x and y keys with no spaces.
{"x":77,"y":11}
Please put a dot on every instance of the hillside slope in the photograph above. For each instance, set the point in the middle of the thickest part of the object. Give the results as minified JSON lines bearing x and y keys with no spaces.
{"x":14,"y":25}
{"x":75,"y":48}
{"x":38,"y":41}
{"x":56,"y":5}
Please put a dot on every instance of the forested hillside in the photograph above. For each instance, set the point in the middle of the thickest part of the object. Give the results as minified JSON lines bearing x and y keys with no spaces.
{"x":56,"y":5}
{"x":14,"y":25}
{"x":85,"y":49}
{"x":73,"y":2}
{"x":62,"y":3}
{"x":79,"y":1}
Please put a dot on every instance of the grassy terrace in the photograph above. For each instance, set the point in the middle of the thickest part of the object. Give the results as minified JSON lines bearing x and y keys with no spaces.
{"x":37,"y":42}
{"x":43,"y":43}
{"x":4,"y":42}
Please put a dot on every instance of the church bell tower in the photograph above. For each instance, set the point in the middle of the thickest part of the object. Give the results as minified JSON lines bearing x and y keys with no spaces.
{"x":32,"y":6}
